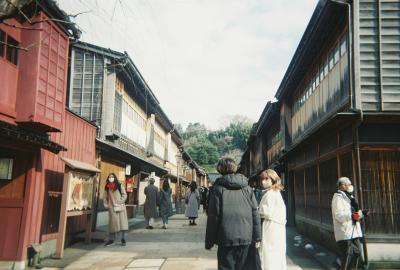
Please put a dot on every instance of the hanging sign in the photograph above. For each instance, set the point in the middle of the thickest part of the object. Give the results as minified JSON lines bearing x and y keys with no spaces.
{"x":129,"y":184}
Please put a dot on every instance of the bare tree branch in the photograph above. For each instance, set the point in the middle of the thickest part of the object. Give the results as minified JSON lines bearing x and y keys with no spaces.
{"x":21,"y":27}
{"x":19,"y":10}
{"x":27,"y":48}
{"x":79,"y":13}
{"x":13,"y":46}
{"x":52,"y":19}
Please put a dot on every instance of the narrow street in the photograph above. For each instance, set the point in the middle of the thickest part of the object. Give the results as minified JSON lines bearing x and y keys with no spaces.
{"x":179,"y":247}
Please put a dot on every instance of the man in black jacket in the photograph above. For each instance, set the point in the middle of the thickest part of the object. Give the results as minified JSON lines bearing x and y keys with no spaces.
{"x":233,"y":221}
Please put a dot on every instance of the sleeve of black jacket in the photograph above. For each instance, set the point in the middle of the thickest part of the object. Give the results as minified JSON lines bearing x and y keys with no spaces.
{"x":256,"y":218}
{"x":212,"y":219}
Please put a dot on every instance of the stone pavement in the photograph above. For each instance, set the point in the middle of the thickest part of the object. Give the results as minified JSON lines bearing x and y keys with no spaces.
{"x":179,"y":247}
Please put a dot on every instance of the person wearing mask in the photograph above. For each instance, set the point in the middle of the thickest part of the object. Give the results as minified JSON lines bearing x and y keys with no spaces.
{"x":165,"y":203}
{"x":257,"y":191}
{"x":114,"y":200}
{"x":150,"y":204}
{"x":233,"y":222}
{"x":192,"y":201}
{"x":273,"y":213}
{"x":346,"y":216}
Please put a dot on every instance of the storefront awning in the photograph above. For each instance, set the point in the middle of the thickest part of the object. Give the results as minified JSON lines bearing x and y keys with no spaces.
{"x":79,"y":165}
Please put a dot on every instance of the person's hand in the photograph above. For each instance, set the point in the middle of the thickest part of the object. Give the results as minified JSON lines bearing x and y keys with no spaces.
{"x":258,"y":244}
{"x":356,"y":216}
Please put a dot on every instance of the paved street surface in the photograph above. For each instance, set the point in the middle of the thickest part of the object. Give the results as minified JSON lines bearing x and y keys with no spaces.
{"x":179,"y":247}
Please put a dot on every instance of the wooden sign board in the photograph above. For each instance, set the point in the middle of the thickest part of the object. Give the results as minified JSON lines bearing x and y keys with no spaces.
{"x":77,"y":199}
{"x":80,"y":196}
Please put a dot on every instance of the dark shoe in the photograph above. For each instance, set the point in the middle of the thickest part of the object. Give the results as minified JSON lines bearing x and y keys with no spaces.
{"x":109,"y":243}
{"x":123,"y":242}
{"x":194,"y":223}
{"x":149,"y":227}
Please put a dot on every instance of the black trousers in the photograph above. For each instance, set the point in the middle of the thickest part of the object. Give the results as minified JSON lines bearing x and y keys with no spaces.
{"x":350,"y":254}
{"x":238,"y":258}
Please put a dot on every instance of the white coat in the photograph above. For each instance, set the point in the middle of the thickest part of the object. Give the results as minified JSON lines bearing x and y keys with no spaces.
{"x":273,"y":243}
{"x":343,"y":226}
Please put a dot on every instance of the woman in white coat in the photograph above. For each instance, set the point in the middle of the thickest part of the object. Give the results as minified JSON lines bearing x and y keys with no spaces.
{"x":273,"y":213}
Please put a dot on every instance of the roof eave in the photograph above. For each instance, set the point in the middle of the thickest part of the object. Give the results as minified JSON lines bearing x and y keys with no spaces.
{"x":298,"y":55}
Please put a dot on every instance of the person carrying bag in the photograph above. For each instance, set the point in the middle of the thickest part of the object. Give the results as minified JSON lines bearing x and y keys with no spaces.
{"x":114,"y":200}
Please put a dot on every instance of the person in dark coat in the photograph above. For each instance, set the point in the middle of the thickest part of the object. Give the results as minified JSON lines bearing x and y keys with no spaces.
{"x":150,"y":204}
{"x":165,"y":203}
{"x":204,"y":196}
{"x":233,"y":221}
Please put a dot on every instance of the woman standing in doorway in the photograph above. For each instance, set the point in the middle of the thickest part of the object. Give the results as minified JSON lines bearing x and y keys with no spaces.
{"x":192,"y":203}
{"x":165,"y":203}
{"x":114,"y":200}
{"x":273,"y":212}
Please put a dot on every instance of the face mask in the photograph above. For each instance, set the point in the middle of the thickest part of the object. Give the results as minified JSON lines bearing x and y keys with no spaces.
{"x":350,"y":189}
{"x":111,"y":179}
{"x":266,"y":184}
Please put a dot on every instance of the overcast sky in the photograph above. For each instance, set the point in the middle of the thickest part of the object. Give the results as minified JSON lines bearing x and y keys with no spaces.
{"x":204,"y":59}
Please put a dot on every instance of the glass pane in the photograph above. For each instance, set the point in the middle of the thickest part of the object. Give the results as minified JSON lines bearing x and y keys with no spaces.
{"x":336,"y":55}
{"x":2,"y":39}
{"x":331,"y":63}
{"x":343,"y":45}
{"x":12,"y":51}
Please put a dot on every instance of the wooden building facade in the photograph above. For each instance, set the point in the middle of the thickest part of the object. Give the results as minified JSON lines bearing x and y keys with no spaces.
{"x":35,"y":128}
{"x":339,"y":116}
{"x":135,"y":138}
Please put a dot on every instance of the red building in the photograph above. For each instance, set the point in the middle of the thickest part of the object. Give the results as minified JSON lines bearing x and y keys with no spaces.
{"x":34,"y":126}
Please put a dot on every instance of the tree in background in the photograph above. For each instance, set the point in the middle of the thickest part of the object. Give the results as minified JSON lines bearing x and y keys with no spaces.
{"x":207,"y":146}
{"x":239,"y":129}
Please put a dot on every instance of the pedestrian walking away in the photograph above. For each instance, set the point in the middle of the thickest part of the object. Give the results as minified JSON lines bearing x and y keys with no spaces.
{"x":233,"y":222}
{"x":192,"y":200}
{"x":273,"y":215}
{"x":151,"y":203}
{"x":208,"y":197}
{"x":346,"y":216}
{"x":204,"y":199}
{"x":114,"y":200}
{"x":165,"y":203}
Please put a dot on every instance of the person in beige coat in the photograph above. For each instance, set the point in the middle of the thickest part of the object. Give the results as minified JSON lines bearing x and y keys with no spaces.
{"x":114,"y":200}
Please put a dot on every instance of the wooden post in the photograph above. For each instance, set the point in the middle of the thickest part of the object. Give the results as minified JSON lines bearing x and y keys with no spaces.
{"x":90,"y":217}
{"x":63,"y":215}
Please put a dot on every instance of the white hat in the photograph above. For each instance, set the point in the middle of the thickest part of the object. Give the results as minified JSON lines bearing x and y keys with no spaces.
{"x":343,"y":181}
